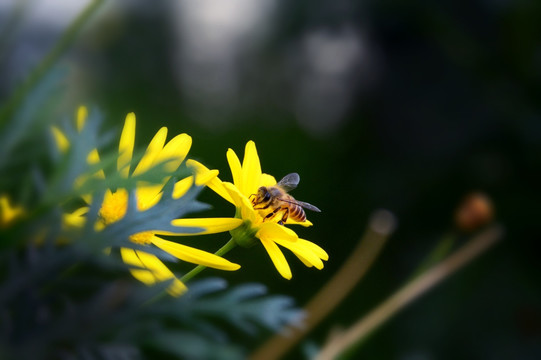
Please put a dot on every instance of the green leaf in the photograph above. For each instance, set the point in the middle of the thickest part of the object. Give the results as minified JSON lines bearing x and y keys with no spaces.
{"x":188,"y":345}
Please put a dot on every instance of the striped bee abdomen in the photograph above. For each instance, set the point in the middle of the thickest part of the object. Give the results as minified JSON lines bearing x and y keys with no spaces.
{"x":296,"y":212}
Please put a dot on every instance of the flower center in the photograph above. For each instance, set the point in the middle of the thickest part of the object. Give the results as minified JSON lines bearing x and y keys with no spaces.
{"x":142,"y":238}
{"x":114,"y":206}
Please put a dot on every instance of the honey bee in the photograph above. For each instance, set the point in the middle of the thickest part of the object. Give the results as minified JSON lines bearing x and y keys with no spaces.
{"x":277,"y":198}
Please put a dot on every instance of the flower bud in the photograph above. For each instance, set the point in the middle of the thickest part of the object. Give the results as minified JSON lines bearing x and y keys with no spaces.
{"x":475,"y":211}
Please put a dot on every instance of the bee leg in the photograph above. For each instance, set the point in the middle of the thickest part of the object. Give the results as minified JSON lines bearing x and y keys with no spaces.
{"x":271,"y":214}
{"x":252,"y":200}
{"x":285,"y":216}
{"x":263,"y":207}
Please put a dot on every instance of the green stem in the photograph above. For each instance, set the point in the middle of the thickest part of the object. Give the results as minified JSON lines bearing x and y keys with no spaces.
{"x":49,"y":60}
{"x":231,"y":244}
{"x":222,"y":251}
{"x":438,"y":253}
{"x":409,"y":292}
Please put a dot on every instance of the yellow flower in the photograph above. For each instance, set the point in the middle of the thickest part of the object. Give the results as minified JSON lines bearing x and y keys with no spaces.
{"x":8,"y":213}
{"x":247,"y":178}
{"x":148,"y":267}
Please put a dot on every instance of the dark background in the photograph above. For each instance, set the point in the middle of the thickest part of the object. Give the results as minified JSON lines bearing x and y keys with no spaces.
{"x":402,"y":105}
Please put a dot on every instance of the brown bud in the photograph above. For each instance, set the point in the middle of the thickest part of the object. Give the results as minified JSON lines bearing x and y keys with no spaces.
{"x":475,"y":211}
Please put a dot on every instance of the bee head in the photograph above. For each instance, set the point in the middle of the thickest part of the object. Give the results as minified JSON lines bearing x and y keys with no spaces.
{"x":263,"y":194}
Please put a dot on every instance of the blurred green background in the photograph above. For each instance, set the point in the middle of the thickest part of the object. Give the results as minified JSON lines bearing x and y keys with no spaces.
{"x":402,"y":105}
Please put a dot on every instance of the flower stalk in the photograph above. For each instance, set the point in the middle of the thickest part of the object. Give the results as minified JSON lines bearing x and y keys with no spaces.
{"x":409,"y":292}
{"x":231,"y":244}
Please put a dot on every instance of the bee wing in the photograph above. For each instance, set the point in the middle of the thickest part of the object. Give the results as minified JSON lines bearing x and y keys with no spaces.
{"x":308,"y":206}
{"x":289,"y":182}
{"x":302,"y":204}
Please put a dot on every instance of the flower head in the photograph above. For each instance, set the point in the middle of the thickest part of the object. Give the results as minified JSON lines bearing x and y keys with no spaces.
{"x":257,"y":225}
{"x":148,"y":268}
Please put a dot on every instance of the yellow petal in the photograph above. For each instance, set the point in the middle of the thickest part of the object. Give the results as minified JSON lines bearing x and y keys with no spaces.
{"x":174,"y":152}
{"x":218,"y":187}
{"x":8,"y":213}
{"x":153,"y":149}
{"x":302,"y":251}
{"x":125,"y":146}
{"x":99,"y":226}
{"x":61,"y":140}
{"x":322,"y":254}
{"x":277,"y":258}
{"x":202,"y":174}
{"x":195,"y":256}
{"x":251,"y":169}
{"x":94,"y":158}
{"x":201,"y":180}
{"x":267,"y":180}
{"x":82,"y":114}
{"x":236,"y":168}
{"x":156,"y":270}
{"x":215,"y":183}
{"x":242,"y":202}
{"x":271,"y":230}
{"x":87,"y":198}
{"x":304,"y":223}
{"x":211,"y":225}
{"x":148,"y":196}
{"x":306,"y":262}
{"x":181,"y":187}
{"x":76,"y":218}
{"x":129,"y":256}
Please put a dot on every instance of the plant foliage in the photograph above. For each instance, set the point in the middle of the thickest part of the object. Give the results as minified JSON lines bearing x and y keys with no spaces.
{"x":66,"y":293}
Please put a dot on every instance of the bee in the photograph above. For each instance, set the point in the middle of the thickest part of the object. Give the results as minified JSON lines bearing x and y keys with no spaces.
{"x":277,"y":198}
